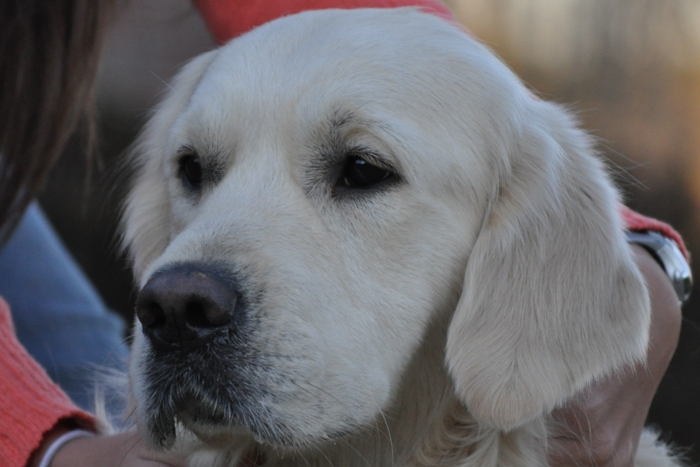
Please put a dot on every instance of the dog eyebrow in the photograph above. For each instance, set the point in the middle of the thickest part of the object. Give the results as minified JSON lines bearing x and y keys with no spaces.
{"x":341,"y":117}
{"x":331,"y":138}
{"x":185,"y":149}
{"x":336,"y":131}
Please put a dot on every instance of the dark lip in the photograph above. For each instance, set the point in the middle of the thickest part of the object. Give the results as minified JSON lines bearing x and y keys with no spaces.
{"x":185,"y":346}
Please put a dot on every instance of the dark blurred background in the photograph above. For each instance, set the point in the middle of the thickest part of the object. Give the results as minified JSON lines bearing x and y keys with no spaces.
{"x":630,"y":69}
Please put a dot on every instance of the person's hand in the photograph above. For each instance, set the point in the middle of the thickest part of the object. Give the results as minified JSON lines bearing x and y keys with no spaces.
{"x":120,"y":450}
{"x":602,"y":426}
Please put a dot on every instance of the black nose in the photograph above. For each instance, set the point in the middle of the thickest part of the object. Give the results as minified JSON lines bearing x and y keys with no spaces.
{"x":187,"y":304}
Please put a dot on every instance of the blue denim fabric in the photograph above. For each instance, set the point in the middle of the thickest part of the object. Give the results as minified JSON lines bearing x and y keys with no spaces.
{"x":58,"y":315}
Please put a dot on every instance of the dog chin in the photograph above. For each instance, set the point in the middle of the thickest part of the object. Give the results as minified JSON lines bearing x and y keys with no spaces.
{"x":225,"y":430}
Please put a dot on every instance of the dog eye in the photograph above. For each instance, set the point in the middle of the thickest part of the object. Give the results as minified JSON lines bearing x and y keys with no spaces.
{"x":191,"y":170}
{"x":358,"y":173}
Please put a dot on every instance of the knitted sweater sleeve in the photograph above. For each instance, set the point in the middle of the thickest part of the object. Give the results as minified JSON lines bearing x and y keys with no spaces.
{"x":30,"y":403}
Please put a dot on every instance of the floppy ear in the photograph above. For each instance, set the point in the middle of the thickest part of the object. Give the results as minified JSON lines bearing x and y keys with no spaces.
{"x":146,"y":214}
{"x":552,"y":298}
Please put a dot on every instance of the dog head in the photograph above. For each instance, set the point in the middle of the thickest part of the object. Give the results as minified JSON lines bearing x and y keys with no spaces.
{"x":310,"y":197}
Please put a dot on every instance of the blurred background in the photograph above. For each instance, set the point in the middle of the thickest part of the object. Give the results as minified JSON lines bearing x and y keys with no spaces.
{"x":630,"y":69}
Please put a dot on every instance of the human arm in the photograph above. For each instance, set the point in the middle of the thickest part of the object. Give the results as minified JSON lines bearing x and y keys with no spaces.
{"x":120,"y":450}
{"x":30,"y":403}
{"x":602,"y":426}
{"x":35,"y":412}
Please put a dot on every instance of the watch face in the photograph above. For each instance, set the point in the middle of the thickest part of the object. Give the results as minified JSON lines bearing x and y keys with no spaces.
{"x":670,"y":257}
{"x":683,"y":286}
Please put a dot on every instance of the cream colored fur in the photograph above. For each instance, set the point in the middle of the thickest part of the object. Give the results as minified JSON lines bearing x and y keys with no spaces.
{"x":435,"y":323}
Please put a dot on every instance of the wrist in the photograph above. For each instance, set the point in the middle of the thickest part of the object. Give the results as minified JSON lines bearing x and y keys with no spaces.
{"x":61,"y":434}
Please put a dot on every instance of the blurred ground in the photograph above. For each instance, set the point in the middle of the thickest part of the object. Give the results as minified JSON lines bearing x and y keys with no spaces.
{"x":629,"y":68}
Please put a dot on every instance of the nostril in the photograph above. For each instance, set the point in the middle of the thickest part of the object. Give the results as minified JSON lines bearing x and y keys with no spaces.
{"x":195,"y":314}
{"x":150,"y":314}
{"x":203,"y":313}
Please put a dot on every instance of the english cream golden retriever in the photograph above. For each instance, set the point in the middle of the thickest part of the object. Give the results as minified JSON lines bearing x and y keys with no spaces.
{"x":359,"y":240}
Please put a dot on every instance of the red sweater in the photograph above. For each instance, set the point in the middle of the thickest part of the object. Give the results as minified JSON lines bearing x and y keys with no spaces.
{"x":30,"y":404}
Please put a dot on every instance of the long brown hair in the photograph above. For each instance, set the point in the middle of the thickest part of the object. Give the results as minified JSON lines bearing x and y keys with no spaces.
{"x":49,"y":51}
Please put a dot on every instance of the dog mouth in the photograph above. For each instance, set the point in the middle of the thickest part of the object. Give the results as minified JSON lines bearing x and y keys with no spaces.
{"x":224,"y":414}
{"x":206,"y":422}
{"x":219,"y":410}
{"x":193,"y":390}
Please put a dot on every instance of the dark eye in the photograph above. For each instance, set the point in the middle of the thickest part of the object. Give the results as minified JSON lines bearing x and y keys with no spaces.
{"x":191,"y":170}
{"x":358,"y":173}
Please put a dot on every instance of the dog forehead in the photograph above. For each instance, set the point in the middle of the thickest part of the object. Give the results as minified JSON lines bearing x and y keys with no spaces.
{"x":364,"y":56}
{"x":338,"y":40}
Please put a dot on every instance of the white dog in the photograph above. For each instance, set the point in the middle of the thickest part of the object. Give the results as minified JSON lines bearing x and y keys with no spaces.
{"x":359,"y":240}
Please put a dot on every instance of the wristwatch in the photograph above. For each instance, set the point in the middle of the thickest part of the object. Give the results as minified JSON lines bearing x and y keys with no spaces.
{"x":669,"y":256}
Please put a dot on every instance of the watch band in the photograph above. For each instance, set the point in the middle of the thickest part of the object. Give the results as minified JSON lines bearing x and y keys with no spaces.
{"x":669,"y":256}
